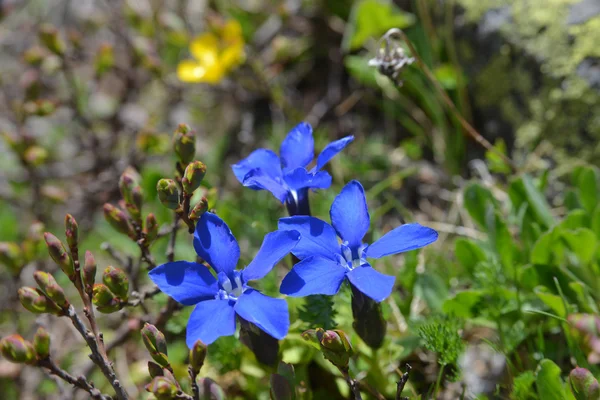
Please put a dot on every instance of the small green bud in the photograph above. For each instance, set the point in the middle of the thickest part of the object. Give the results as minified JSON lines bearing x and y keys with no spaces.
{"x":155,"y":342}
{"x":151,"y":228}
{"x":168,"y":194}
{"x":59,"y":254}
{"x":336,"y":347}
{"x":199,"y":209}
{"x":105,"y":59}
{"x":41,"y":343}
{"x":162,"y":388}
{"x":18,"y":350}
{"x":583,"y":384}
{"x":71,"y":231}
{"x":34,"y":55}
{"x":36,"y":302}
{"x":104,"y":300}
{"x":11,"y":255}
{"x":197,"y":356}
{"x":184,"y":143}
{"x":48,"y":285}
{"x":118,"y":220}
{"x":50,"y":38}
{"x":154,"y":369}
{"x":193,"y":176}
{"x":132,"y":193}
{"x":116,"y":280}
{"x":89,"y":270}
{"x":209,"y":389}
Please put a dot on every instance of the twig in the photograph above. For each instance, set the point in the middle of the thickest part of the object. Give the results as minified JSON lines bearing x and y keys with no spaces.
{"x":466,"y":126}
{"x":353,"y":384}
{"x":401,"y":383}
{"x":80,"y":382}
{"x":96,"y":356}
{"x":195,"y":388}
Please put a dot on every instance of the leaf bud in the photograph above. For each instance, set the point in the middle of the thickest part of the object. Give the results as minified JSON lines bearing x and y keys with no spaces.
{"x":168,"y":194}
{"x":155,"y":342}
{"x":50,"y":38}
{"x":117,"y":281}
{"x":197,"y":356}
{"x":583,"y":384}
{"x":50,"y":287}
{"x":334,"y":345}
{"x":209,"y":389}
{"x":34,"y":55}
{"x":162,"y":388}
{"x":11,"y":255}
{"x":151,"y":229}
{"x":154,"y":369}
{"x":193,"y":176}
{"x":41,"y":343}
{"x":184,"y":143}
{"x":118,"y":220}
{"x":36,"y":302}
{"x":89,"y":270}
{"x":199,"y":209}
{"x":71,"y":231}
{"x":37,"y":155}
{"x":59,"y":254}
{"x":18,"y":350}
{"x":105,"y":59}
{"x":104,"y":300}
{"x":128,"y":184}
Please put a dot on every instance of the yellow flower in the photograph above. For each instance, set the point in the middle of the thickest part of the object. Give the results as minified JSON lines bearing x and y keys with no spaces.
{"x":215,"y":54}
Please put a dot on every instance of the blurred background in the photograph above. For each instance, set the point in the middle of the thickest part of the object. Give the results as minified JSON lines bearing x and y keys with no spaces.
{"x":88,"y":88}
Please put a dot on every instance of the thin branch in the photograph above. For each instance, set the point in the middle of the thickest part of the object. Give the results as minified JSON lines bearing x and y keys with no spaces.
{"x":401,"y":383}
{"x":81,"y":382}
{"x":96,"y":356}
{"x":353,"y":384}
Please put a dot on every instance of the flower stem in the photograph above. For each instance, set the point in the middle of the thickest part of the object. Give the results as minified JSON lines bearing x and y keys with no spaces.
{"x":80,"y":382}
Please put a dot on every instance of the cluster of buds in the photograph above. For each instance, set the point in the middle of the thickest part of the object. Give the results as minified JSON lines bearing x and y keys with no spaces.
{"x":18,"y":350}
{"x":49,"y":298}
{"x":110,"y":295}
{"x":16,"y":255}
{"x":583,"y":384}
{"x":26,"y":147}
{"x":334,"y":345}
{"x":177,"y":195}
{"x":131,"y":223}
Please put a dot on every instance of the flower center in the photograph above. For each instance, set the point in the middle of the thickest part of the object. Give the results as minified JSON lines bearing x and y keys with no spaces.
{"x":229,"y":290}
{"x":352,"y":258}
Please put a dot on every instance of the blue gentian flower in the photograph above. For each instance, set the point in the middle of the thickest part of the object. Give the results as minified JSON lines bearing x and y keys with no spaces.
{"x":326,"y":263}
{"x":287,"y":178}
{"x":218,"y":300}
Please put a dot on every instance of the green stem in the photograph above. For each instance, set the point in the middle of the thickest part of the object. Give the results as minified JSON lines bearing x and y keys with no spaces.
{"x":439,"y":380}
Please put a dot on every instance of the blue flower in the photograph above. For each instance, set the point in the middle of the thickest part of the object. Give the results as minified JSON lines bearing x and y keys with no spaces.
{"x":219,"y":300}
{"x":325,"y":263}
{"x":287,"y":178}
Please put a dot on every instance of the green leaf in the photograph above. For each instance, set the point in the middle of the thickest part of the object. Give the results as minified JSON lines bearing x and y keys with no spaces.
{"x":373,"y":18}
{"x":468,"y":253}
{"x":587,"y":187}
{"x":463,"y":304}
{"x":576,"y":219}
{"x":549,"y":384}
{"x":542,"y":252}
{"x":582,"y":242}
{"x":522,"y":190}
{"x":431,"y":288}
{"x":523,"y":387}
{"x":551,"y":300}
{"x":477,"y":199}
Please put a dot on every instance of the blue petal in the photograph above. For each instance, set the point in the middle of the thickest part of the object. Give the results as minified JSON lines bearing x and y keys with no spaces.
{"x":349,"y":214}
{"x":269,"y":314}
{"x":210,"y":320}
{"x":300,"y":178}
{"x":257,"y":179}
{"x":404,"y":238}
{"x":372,"y":283}
{"x":186,"y":282}
{"x":313,"y":275}
{"x":262,"y":159}
{"x":214,"y":242}
{"x":317,"y":238}
{"x":298,"y":148}
{"x":276,"y":245}
{"x":331,"y":150}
